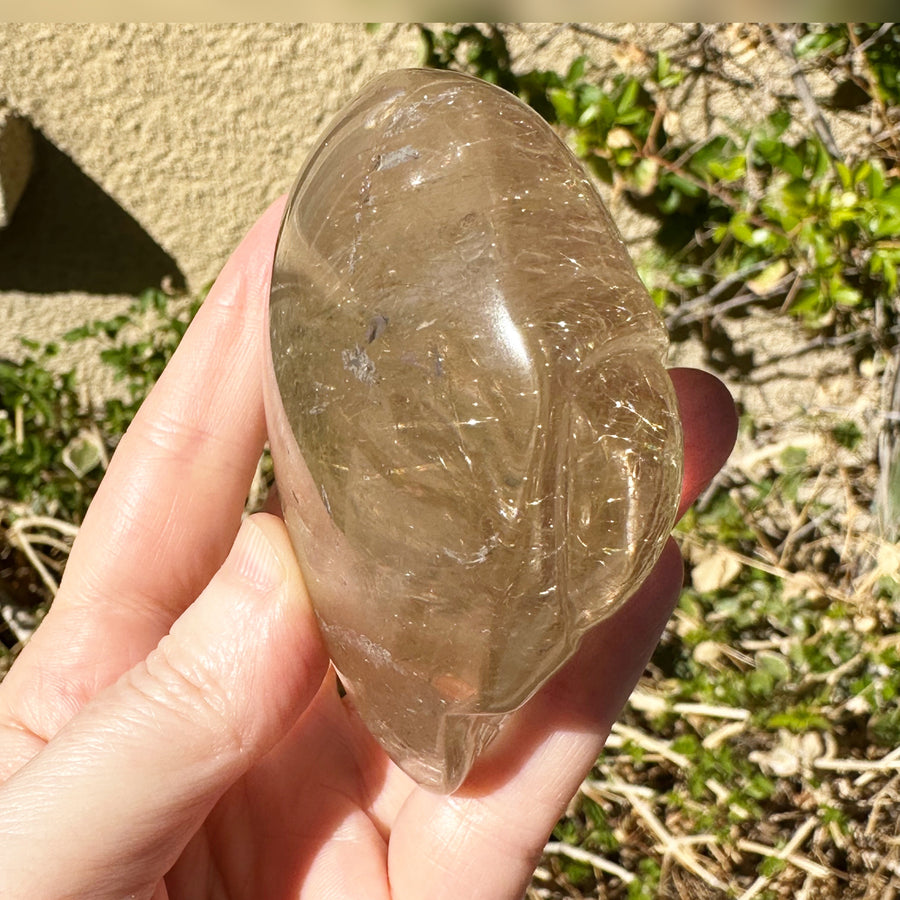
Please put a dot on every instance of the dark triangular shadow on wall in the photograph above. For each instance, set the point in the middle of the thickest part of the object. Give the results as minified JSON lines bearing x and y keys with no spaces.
{"x":68,"y":234}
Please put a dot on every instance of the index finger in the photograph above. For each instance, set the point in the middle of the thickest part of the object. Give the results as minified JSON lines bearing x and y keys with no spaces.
{"x":169,"y":507}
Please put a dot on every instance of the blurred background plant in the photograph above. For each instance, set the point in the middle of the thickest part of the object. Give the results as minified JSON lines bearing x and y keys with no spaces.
{"x":760,"y":755}
{"x":55,"y":445}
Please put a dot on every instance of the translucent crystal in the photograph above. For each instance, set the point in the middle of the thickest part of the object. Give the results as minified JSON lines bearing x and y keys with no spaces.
{"x":476,"y":444}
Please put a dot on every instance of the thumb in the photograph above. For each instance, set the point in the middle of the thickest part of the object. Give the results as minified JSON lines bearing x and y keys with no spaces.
{"x":109,"y":804}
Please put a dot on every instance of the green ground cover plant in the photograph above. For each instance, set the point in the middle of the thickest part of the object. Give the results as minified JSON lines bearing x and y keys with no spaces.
{"x":783,"y":212}
{"x":55,"y":446}
{"x":760,"y":755}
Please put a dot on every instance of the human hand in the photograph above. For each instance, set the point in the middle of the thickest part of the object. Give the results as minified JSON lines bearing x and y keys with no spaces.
{"x":173,"y":731}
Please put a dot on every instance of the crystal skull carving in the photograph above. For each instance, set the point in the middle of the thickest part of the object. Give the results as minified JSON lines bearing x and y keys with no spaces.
{"x":476,"y":443}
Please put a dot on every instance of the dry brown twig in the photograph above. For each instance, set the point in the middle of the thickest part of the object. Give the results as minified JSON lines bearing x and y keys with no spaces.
{"x":29,"y":532}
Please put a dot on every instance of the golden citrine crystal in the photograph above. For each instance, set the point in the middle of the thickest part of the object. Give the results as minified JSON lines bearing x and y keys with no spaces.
{"x":476,"y":443}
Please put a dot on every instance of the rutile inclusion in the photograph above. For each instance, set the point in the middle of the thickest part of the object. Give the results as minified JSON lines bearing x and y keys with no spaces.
{"x":476,"y":444}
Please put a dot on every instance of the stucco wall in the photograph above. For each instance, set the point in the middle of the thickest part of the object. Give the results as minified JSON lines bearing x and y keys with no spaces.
{"x":191,"y":130}
{"x":156,"y":146}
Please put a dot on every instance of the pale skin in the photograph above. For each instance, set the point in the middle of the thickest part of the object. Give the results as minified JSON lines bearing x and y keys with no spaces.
{"x":173,"y":729}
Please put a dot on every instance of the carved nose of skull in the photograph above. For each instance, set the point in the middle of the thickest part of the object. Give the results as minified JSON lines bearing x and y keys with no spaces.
{"x":476,"y":444}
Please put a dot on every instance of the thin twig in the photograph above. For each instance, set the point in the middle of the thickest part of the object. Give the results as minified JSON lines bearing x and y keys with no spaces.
{"x":46,"y":540}
{"x":742,"y":299}
{"x":31,"y":522}
{"x":24,"y":544}
{"x":817,"y":581}
{"x":621,"y":790}
{"x":723,"y":733}
{"x":715,"y":712}
{"x":762,"y":538}
{"x":885,"y":798}
{"x":20,"y":535}
{"x":672,"y":847}
{"x":651,"y":744}
{"x":866,"y":777}
{"x":557,"y":848}
{"x":787,"y":853}
{"x":801,"y":862}
{"x":799,"y":518}
{"x":858,"y":765}
{"x":714,"y":292}
{"x":871,"y":39}
{"x":726,"y":198}
{"x":859,"y":50}
{"x":801,"y":85}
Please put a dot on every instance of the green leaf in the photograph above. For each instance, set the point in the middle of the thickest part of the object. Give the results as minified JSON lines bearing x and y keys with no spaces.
{"x":845,"y":175}
{"x":889,"y":271}
{"x":576,"y":71}
{"x":726,"y":170}
{"x":633,"y":116}
{"x":778,"y":122}
{"x":711,"y":152}
{"x":664,"y":75}
{"x":793,"y":457}
{"x":590,"y":114}
{"x":770,"y":866}
{"x":769,"y":150}
{"x":683,"y":185}
{"x":809,"y":301}
{"x":83,"y":454}
{"x":847,"y":434}
{"x":670,"y":202}
{"x":628,"y":96}
{"x":819,"y":157}
{"x":740,"y":228}
{"x":799,"y":720}
{"x":663,"y":65}
{"x":689,"y":276}
{"x":875,"y":180}
{"x":77,"y":334}
{"x":564,"y":105}
{"x":841,"y":292}
{"x":809,"y":44}
{"x":646,"y":177}
{"x":775,"y":664}
{"x":791,"y":162}
{"x":763,"y":283}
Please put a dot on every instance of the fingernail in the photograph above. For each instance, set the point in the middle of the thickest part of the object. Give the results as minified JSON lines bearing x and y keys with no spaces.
{"x":255,"y":559}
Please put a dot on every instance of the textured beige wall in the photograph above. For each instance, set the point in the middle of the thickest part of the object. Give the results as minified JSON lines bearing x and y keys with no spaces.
{"x":189,"y":130}
{"x":160,"y":144}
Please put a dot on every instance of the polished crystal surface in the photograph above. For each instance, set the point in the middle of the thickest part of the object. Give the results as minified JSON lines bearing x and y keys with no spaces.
{"x":476,"y":444}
